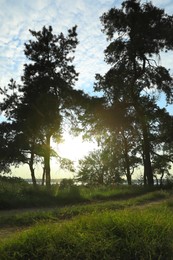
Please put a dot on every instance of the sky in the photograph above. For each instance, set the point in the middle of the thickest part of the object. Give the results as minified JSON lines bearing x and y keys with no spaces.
{"x":18,"y":16}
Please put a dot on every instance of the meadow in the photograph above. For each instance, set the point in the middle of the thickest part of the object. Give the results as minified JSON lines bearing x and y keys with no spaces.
{"x":85,"y":223}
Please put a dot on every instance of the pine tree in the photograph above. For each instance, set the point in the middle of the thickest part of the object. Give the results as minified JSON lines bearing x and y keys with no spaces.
{"x":137,"y":32}
{"x":47,"y":87}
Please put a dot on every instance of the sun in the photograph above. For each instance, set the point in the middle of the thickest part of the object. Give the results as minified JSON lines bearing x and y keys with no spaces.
{"x":74,"y":148}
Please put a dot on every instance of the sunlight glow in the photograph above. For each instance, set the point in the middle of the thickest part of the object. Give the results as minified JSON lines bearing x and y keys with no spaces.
{"x":74,"y":148}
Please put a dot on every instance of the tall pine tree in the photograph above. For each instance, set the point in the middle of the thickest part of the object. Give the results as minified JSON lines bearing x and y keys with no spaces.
{"x":47,"y":87}
{"x":137,"y":33}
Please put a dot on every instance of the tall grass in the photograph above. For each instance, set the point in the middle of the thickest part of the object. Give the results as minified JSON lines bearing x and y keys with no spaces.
{"x":113,"y":192}
{"x":16,"y":193}
{"x":30,"y":217}
{"x":121,"y":235}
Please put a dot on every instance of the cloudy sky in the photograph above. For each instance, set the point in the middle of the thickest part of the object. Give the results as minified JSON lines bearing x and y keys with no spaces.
{"x":18,"y":16}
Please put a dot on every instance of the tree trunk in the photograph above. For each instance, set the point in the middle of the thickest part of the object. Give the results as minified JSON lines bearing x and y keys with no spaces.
{"x":101,"y":177}
{"x":43,"y":176}
{"x":146,"y":153}
{"x":145,"y":176}
{"x":157,"y":182}
{"x":127,"y":162}
{"x":47,"y":162}
{"x":129,"y":178}
{"x":148,"y":173}
{"x":161,"y":178}
{"x":32,"y":169}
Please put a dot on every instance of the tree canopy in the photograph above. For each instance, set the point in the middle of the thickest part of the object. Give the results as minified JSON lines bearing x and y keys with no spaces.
{"x":124,"y":116}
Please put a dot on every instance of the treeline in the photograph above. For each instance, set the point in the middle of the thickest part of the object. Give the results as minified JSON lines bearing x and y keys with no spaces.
{"x":127,"y":122}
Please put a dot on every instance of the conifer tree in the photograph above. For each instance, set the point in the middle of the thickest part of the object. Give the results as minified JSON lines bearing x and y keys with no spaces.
{"x":137,"y":32}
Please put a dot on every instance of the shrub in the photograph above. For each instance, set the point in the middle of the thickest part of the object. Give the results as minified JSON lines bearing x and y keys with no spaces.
{"x":66,"y":184}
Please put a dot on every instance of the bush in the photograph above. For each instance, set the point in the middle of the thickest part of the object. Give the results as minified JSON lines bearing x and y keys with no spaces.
{"x":66,"y":184}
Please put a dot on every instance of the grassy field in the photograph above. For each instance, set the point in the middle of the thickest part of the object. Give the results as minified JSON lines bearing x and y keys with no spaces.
{"x":102,"y":223}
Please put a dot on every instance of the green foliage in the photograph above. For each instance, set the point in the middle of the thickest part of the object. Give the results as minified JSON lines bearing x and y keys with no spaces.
{"x":100,"y":167}
{"x":66,"y":164}
{"x":66,"y":184}
{"x":9,"y":180}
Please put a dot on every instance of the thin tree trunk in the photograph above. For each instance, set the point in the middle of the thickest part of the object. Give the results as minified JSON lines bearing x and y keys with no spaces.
{"x":161,"y":178}
{"x":157,"y":182}
{"x":101,"y":177}
{"x":43,"y":176}
{"x":129,"y":178}
{"x":146,"y":153}
{"x":32,"y":169}
{"x":47,"y":162}
{"x":145,"y":176}
{"x":127,"y":162}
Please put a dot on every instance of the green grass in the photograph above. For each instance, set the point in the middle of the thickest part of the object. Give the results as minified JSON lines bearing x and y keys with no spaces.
{"x":108,"y":235}
{"x":30,"y":217}
{"x":86,"y":223}
{"x":15,"y":194}
{"x":114,"y":192}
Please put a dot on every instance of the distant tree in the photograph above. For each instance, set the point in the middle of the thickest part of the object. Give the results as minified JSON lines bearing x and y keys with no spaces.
{"x":130,"y":152}
{"x":138,"y":33}
{"x":162,"y":145}
{"x":165,"y":137}
{"x":104,"y":165}
{"x":92,"y":169}
{"x":161,"y":168}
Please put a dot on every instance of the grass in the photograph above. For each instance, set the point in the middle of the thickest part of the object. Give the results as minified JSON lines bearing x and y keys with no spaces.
{"x":108,"y":235}
{"x":32,"y":216}
{"x":16,"y":194}
{"x":102,"y":223}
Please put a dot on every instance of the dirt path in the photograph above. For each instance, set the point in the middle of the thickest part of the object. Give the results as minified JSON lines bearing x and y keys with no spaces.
{"x":19,"y":211}
{"x":8,"y":231}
